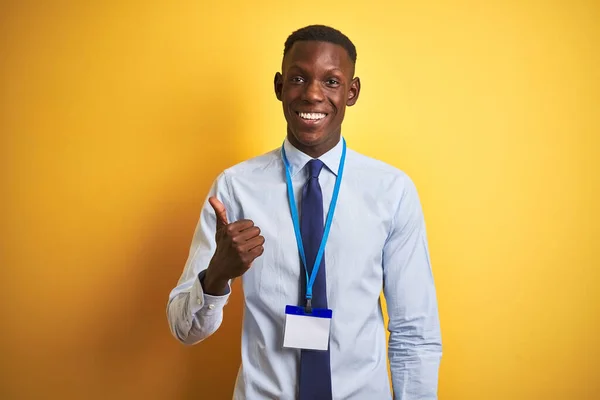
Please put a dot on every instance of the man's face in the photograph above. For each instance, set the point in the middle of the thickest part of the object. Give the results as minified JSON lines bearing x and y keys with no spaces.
{"x":315,"y":86}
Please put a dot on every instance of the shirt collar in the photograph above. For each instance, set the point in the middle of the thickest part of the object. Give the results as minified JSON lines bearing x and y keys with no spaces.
{"x":297,"y":159}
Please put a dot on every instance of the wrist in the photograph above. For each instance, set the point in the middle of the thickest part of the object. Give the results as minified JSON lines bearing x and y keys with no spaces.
{"x":213,"y":284}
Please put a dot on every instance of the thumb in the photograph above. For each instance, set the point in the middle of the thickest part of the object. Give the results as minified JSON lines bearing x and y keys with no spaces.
{"x":219,"y":210}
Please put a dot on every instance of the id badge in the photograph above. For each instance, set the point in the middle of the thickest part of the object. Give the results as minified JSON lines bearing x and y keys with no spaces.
{"x":307,"y":330}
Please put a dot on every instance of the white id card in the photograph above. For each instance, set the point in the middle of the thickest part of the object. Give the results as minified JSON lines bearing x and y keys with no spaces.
{"x":307,"y":331}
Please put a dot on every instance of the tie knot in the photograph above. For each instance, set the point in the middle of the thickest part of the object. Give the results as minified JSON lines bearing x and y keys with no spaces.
{"x":314,"y":168}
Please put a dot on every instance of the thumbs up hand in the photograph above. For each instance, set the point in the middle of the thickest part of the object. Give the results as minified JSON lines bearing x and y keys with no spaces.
{"x":238,"y":244}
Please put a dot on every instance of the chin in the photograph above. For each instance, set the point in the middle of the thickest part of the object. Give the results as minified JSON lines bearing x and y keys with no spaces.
{"x":310,"y":138}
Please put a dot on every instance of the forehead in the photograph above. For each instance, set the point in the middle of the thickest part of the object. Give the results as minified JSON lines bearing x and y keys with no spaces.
{"x":315,"y":55}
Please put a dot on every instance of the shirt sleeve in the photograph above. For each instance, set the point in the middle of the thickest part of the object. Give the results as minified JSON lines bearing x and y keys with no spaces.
{"x":192,"y":314}
{"x":415,"y":346}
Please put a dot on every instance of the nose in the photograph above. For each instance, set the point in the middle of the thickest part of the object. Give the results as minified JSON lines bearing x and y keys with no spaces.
{"x":313,"y":92}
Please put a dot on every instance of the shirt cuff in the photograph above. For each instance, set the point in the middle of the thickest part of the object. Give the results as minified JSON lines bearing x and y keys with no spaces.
{"x":206,"y":304}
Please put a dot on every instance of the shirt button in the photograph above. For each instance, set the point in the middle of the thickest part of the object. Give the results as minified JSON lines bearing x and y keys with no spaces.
{"x":199,"y":301}
{"x":211,"y":306}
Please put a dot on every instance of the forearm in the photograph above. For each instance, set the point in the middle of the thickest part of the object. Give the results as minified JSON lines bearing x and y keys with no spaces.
{"x":194,"y":311}
{"x":195,"y":315}
{"x":414,"y":363}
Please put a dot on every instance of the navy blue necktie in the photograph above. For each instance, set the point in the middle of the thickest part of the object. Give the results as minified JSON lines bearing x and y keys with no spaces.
{"x":315,"y":370}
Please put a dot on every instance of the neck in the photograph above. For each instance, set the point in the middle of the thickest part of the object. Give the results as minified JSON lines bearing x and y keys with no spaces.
{"x":317,"y":150}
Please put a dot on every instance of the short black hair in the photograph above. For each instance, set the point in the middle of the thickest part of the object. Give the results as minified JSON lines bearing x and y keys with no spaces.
{"x":321,"y":33}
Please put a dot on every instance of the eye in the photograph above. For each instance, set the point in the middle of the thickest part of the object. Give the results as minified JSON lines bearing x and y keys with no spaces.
{"x":333,"y":82}
{"x":297,"y":79}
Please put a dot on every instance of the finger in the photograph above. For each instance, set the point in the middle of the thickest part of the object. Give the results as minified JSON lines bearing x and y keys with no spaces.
{"x":256,"y":252}
{"x":252,"y":244}
{"x":219,"y":211}
{"x":238,"y":226}
{"x":245,"y":235}
{"x":252,"y":255}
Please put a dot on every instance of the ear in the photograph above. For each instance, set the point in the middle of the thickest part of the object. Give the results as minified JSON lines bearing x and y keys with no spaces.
{"x":278,"y":85}
{"x":353,"y":92}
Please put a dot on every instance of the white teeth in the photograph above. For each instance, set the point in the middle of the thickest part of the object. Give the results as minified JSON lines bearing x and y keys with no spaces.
{"x":313,"y":116}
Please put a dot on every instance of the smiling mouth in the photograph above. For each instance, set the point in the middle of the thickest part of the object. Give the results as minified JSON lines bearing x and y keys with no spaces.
{"x":311,"y":116}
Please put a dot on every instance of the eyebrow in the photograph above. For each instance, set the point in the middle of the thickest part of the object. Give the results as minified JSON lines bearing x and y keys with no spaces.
{"x":330,"y":70}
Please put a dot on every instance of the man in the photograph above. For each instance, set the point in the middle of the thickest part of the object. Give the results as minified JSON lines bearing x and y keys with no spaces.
{"x":275,"y":216}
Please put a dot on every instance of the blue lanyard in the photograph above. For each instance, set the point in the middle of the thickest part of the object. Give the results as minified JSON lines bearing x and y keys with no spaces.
{"x":336,"y":190}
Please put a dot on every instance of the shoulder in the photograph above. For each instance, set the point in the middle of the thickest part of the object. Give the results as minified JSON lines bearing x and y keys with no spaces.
{"x":393,"y":188}
{"x":368,"y":169}
{"x":244,"y":177}
{"x":245,"y":171}
{"x":254,"y":165}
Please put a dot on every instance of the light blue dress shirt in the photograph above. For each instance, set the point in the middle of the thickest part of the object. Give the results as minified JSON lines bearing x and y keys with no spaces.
{"x":377,"y":241}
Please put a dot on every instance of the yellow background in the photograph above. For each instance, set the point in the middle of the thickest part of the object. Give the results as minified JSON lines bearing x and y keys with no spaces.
{"x":116,"y":116}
